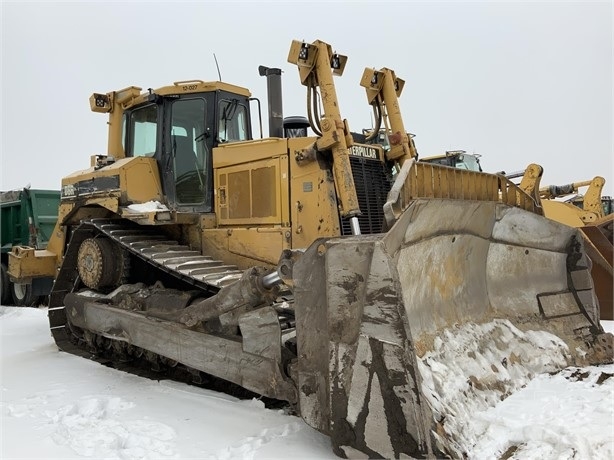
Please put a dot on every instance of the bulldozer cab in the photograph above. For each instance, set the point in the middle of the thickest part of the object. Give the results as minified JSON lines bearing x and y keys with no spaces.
{"x":456,"y":159}
{"x":180,"y":132}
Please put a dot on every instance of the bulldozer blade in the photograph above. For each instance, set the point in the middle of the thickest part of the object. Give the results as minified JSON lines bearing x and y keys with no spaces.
{"x":457,"y":306}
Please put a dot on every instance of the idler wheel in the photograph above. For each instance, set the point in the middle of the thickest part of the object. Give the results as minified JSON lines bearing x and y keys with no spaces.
{"x":100,"y":263}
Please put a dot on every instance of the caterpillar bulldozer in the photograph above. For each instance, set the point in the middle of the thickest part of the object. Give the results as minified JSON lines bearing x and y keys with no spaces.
{"x":314,"y":270}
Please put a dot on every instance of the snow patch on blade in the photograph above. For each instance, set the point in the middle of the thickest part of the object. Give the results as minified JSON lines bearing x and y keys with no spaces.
{"x":473,"y":367}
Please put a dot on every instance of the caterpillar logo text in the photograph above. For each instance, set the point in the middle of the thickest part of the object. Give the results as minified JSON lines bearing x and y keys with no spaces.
{"x":364,"y":151}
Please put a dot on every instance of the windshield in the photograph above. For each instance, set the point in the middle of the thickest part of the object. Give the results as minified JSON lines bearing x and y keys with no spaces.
{"x":469,"y":162}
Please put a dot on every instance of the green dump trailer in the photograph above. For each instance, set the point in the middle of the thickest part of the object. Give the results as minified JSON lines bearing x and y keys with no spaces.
{"x":27,"y":218}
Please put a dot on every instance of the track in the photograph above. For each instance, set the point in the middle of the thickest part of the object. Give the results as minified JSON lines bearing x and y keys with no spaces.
{"x":167,"y":255}
{"x":162,"y":254}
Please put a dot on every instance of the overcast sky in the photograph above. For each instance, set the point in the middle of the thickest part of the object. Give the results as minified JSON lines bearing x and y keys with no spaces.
{"x":517,"y":82}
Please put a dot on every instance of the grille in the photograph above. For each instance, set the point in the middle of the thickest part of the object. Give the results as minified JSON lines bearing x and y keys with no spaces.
{"x":373,"y":182}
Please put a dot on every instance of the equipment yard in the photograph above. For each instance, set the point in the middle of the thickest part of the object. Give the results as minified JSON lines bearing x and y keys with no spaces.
{"x":383,"y":299}
{"x":226,"y":278}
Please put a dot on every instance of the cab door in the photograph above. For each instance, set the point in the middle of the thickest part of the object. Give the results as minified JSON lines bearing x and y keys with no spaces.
{"x":188,"y":144}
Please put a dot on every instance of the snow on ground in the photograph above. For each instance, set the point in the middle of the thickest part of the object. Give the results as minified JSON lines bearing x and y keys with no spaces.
{"x":473,"y":368}
{"x":565,"y":416}
{"x":55,"y":405}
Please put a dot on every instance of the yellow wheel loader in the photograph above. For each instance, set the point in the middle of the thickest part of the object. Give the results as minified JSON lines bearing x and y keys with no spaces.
{"x":592,"y":214}
{"x":348,"y":282}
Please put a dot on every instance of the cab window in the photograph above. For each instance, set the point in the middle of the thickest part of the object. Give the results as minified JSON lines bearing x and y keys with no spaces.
{"x":143,"y":131}
{"x":232,"y":116}
{"x":468,"y":162}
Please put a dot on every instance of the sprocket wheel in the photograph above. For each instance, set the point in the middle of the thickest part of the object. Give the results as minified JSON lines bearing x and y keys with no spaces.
{"x":100,"y":263}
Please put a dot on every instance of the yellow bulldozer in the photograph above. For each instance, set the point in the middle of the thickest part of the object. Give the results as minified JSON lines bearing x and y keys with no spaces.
{"x":314,"y":270}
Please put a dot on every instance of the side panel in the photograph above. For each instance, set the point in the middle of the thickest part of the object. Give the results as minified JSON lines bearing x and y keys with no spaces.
{"x":285,"y":175}
{"x":251,"y":183}
{"x":251,"y":225}
{"x":246,"y":247}
{"x":314,"y":209}
{"x":137,"y":180}
{"x":140,"y":181}
{"x":251,"y":194}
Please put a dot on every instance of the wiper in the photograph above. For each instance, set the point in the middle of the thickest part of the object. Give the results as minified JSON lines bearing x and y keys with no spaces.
{"x":228,"y":114}
{"x":229,"y":111}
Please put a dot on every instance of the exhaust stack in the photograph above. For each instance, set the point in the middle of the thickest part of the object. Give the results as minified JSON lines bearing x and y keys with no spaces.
{"x":276,"y":117}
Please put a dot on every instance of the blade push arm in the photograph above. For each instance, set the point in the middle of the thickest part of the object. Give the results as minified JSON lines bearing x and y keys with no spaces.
{"x":317,"y":64}
{"x":383,"y":91}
